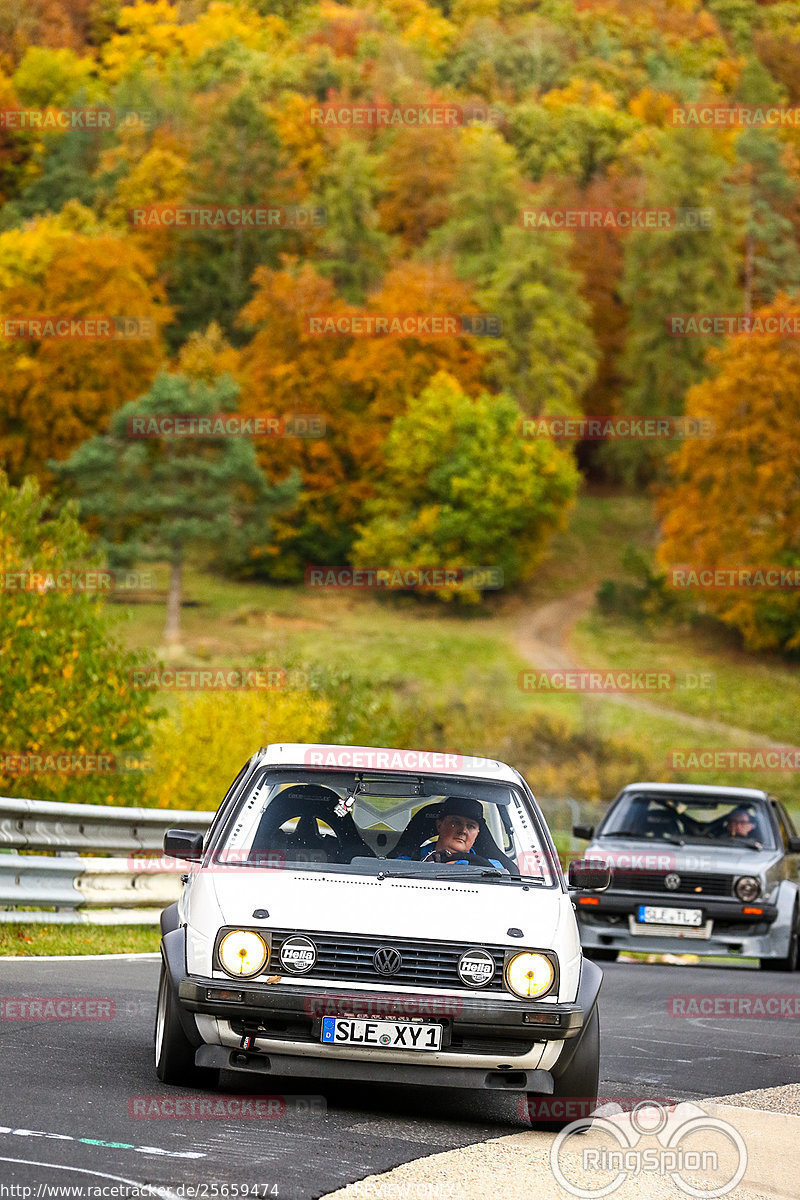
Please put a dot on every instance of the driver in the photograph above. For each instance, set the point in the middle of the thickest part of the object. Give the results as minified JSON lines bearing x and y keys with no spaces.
{"x":457,"y":827}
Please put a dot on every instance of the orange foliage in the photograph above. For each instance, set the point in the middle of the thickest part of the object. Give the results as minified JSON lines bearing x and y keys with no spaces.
{"x":735,"y":502}
{"x":55,"y":393}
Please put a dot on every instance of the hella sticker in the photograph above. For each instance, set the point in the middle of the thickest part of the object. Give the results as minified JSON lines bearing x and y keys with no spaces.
{"x":298,"y":955}
{"x":476,"y":968}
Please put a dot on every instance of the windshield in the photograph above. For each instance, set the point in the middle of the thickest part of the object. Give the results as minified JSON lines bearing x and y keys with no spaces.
{"x":686,"y":818}
{"x":419,"y":826}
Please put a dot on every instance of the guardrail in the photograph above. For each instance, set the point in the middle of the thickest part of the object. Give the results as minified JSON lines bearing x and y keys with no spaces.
{"x":74,"y":883}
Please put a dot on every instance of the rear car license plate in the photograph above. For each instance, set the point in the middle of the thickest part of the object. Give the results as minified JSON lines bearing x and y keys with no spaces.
{"x":387,"y":1035}
{"x":653,"y":915}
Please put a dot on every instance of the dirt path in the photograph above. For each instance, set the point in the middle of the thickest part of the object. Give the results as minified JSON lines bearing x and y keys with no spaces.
{"x":543,"y":636}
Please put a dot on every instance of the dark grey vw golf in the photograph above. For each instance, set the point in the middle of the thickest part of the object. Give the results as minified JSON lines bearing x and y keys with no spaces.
{"x":695,"y":869}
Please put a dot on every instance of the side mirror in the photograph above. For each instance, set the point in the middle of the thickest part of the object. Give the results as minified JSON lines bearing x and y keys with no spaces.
{"x":794,"y":844}
{"x":181,"y":843}
{"x":584,"y":832}
{"x":589,"y":874}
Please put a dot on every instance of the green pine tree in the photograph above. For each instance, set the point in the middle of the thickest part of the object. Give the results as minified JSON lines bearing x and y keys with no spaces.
{"x":160,"y":498}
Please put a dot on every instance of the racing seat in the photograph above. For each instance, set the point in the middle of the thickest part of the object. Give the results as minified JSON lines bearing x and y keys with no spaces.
{"x":311,"y":804}
{"x":661,"y":823}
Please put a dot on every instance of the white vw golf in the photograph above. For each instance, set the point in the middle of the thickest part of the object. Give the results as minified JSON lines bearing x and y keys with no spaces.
{"x":378,"y":914}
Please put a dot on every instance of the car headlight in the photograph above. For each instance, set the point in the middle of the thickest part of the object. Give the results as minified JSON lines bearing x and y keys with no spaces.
{"x":747,"y":888}
{"x":243,"y":953}
{"x":529,"y":975}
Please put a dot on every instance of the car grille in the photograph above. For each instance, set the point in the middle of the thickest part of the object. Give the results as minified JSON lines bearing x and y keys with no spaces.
{"x":425,"y":964}
{"x":692,"y":883}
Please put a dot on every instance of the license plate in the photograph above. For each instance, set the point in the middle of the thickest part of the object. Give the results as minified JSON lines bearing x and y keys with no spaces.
{"x":385,"y":1035}
{"x":654,"y":915}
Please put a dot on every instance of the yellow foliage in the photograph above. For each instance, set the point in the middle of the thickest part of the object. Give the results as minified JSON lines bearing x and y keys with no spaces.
{"x":584,"y":92}
{"x":202,"y":748}
{"x":420,"y":26}
{"x":152,"y":31}
{"x":207,"y":355}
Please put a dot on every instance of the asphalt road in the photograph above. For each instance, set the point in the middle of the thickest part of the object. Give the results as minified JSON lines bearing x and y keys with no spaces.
{"x":66,"y":1102}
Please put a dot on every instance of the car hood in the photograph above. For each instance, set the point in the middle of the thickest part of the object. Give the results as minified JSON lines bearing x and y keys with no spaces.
{"x":406,"y":908}
{"x":634,"y":854}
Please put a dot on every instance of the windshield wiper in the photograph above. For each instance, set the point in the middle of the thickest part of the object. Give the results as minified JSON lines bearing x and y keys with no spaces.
{"x":449,"y":873}
{"x":641,"y":838}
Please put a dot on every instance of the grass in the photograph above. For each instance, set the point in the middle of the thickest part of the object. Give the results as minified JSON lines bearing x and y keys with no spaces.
{"x":748,"y":691}
{"x":34,"y":940}
{"x":593,"y":546}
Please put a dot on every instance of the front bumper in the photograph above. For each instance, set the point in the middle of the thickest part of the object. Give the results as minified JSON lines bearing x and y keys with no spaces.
{"x":607,"y":922}
{"x":276,"y":1029}
{"x":301,"y":1010}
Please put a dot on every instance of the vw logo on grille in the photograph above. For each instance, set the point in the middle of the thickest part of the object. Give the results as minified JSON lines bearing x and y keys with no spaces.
{"x":672,"y":882}
{"x":387,"y":960}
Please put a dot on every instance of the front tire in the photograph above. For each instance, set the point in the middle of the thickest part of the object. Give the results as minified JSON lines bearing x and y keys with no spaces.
{"x":791,"y":962}
{"x":174,"y":1053}
{"x":580,"y":1082}
{"x":602,"y":954}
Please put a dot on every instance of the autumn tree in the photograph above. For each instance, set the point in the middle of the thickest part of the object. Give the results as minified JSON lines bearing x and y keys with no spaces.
{"x":356,"y":385}
{"x":55,"y":391}
{"x":353,"y":250}
{"x":155,"y":497}
{"x":768,"y":194}
{"x":733,"y":501}
{"x":461,"y":488}
{"x":66,"y":677}
{"x":667,"y":271}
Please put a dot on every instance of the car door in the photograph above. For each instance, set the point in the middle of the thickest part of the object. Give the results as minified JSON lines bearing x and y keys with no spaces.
{"x":787,"y":830}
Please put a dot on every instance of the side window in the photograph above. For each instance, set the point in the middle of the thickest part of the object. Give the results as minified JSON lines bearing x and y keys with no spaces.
{"x":223,"y":808}
{"x":781,"y":818}
{"x":787,"y":821}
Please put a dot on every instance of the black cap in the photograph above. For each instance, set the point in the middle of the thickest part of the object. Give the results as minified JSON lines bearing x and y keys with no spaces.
{"x":741,"y":812}
{"x":461,"y":806}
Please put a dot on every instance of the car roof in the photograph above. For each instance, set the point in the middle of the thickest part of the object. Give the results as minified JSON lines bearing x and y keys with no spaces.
{"x":697,"y":789}
{"x":384,"y":758}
